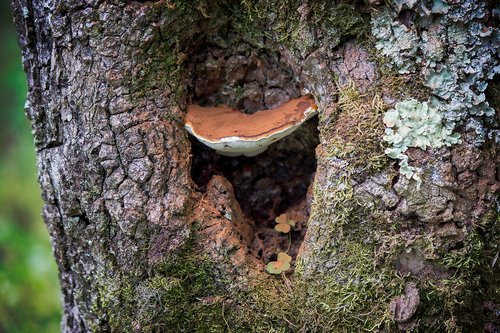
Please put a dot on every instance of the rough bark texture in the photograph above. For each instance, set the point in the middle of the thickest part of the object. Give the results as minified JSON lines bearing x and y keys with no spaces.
{"x":144,"y":244}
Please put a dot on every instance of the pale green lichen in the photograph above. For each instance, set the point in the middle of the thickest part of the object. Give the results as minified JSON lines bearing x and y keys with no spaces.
{"x":453,"y":47}
{"x":441,"y":82}
{"x":395,"y":41}
{"x":414,"y":124}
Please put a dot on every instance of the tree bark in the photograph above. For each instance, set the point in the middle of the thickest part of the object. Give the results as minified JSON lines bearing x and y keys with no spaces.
{"x":153,"y":233}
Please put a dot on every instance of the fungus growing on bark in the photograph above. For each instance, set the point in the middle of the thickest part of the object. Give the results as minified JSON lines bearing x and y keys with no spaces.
{"x":234,"y":133}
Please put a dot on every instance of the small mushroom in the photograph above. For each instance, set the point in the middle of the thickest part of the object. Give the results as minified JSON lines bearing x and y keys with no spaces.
{"x":233,"y":133}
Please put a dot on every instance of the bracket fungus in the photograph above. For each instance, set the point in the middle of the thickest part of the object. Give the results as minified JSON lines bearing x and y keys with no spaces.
{"x":233,"y":133}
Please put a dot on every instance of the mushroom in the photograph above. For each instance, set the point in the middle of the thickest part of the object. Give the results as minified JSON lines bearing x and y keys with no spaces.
{"x":233,"y":133}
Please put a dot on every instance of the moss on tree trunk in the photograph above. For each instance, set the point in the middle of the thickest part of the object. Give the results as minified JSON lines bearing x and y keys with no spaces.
{"x":142,"y":245}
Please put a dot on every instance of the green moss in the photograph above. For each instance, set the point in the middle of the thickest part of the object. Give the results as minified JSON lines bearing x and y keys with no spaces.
{"x":325,"y":303}
{"x":355,"y":136}
{"x":163,"y":65}
{"x":474,"y":279}
{"x":353,"y":297}
{"x":184,"y":294}
{"x":365,"y":281}
{"x":337,"y":20}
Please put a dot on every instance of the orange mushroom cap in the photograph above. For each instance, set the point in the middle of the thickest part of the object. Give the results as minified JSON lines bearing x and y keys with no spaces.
{"x":231,"y":132}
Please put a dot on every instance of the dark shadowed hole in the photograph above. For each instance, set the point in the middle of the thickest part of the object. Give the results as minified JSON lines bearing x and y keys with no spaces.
{"x":267,"y":185}
{"x":271,"y":183}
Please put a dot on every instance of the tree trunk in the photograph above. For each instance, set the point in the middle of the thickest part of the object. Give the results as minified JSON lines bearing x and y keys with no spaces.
{"x":153,"y":232}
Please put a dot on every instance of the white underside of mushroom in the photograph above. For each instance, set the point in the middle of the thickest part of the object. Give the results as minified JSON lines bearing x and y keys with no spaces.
{"x":236,"y":146}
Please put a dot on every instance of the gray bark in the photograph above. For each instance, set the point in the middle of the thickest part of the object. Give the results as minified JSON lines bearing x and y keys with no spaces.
{"x":141,"y":247}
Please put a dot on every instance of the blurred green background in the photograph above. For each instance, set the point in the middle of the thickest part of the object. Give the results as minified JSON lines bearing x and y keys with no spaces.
{"x":29,"y":288}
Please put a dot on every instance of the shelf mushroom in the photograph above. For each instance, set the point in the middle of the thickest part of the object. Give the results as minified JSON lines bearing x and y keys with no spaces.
{"x":233,"y":133}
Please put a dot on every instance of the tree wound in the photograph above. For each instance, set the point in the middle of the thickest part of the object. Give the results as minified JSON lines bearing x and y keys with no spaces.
{"x":274,"y":182}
